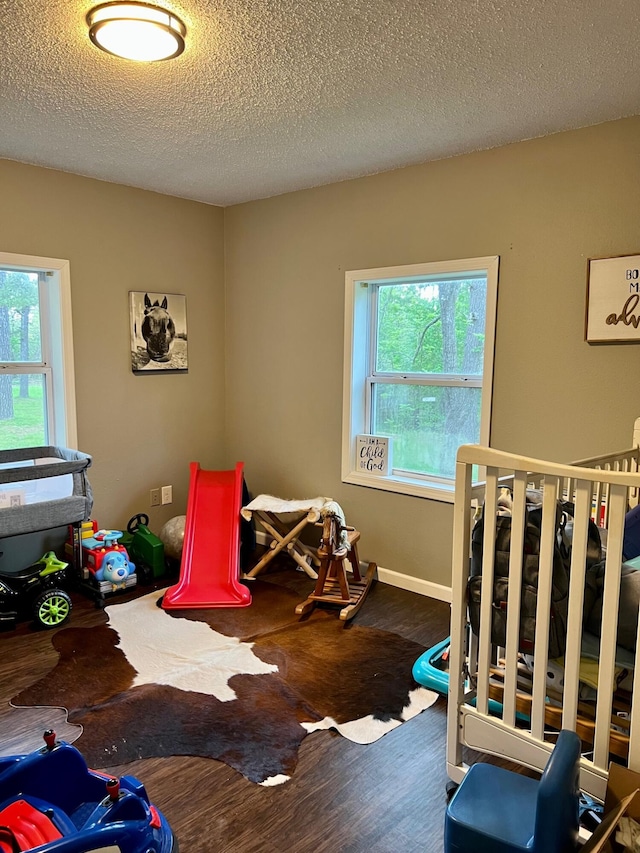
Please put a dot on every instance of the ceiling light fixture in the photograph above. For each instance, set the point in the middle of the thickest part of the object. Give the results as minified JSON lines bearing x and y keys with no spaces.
{"x":136,"y":31}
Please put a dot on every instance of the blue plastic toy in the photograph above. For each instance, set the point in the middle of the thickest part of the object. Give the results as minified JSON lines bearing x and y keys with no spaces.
{"x":432,"y":667}
{"x":495,"y":809}
{"x":115,"y":569}
{"x":431,"y":670}
{"x":51,"y":801}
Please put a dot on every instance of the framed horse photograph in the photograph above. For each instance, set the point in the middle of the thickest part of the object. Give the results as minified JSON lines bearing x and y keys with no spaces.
{"x":158,"y":331}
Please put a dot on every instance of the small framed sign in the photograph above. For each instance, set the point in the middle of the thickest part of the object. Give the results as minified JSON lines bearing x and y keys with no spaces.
{"x":373,"y":455}
{"x":613,"y":300}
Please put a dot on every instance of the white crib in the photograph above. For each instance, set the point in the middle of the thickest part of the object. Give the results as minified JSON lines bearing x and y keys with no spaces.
{"x":497,"y":705}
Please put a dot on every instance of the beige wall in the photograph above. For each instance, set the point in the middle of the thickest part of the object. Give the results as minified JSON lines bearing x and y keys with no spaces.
{"x":544,"y":206}
{"x":142,"y":430}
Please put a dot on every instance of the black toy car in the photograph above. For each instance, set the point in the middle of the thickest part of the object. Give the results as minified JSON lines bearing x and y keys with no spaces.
{"x":36,"y":593}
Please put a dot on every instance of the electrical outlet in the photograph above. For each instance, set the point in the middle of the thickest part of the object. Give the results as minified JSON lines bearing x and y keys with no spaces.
{"x":167,"y":494}
{"x":155,"y":497}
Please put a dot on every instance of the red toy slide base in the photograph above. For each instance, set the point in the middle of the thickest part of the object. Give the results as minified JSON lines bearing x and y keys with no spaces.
{"x":210,"y":566}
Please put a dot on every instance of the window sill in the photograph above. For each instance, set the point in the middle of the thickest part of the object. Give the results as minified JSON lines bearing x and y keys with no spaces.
{"x":402,"y":485}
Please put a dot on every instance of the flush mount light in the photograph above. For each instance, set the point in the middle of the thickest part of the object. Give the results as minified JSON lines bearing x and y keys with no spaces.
{"x":136,"y":31}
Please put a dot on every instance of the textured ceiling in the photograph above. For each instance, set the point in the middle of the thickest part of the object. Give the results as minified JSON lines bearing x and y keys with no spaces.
{"x":277,"y":95}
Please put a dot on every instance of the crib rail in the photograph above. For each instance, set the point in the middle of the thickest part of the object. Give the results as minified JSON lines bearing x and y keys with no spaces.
{"x":497,"y":704}
{"x":627,"y":461}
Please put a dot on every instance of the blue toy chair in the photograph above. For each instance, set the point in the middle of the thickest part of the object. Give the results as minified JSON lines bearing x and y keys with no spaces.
{"x":497,"y":811}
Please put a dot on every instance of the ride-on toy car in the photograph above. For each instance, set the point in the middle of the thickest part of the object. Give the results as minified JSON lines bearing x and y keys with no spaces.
{"x":51,"y":801}
{"x":35,"y":592}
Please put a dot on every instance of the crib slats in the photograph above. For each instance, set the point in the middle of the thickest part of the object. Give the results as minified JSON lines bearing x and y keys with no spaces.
{"x":486,"y":600}
{"x":634,"y":727}
{"x":606,"y":679}
{"x":459,"y":577}
{"x":582,"y":514}
{"x":496,"y":703}
{"x":515,"y":592}
{"x":543,"y":610}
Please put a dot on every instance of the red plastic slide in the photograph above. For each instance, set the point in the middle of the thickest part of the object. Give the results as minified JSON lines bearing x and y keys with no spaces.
{"x":210,"y":566}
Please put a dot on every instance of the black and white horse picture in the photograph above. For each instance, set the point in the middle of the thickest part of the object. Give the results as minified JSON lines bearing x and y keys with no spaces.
{"x":158,"y":332}
{"x":158,"y":329}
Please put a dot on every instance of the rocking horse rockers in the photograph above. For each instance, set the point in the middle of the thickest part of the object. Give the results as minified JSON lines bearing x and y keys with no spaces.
{"x":338,"y":547}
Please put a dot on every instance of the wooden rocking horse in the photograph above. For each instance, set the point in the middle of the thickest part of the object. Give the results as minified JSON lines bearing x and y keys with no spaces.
{"x":333,"y":586}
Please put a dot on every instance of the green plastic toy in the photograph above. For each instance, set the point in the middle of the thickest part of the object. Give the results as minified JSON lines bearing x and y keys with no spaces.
{"x":144,"y":547}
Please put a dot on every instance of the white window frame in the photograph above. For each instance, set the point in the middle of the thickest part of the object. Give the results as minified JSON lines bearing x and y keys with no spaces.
{"x":357,"y":368}
{"x":57,"y":344}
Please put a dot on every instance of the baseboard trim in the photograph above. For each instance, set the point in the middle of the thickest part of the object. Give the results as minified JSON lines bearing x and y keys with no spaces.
{"x":422,"y":587}
{"x":411,"y":584}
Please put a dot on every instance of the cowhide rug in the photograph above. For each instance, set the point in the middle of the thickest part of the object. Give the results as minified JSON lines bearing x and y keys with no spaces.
{"x":242,"y":685}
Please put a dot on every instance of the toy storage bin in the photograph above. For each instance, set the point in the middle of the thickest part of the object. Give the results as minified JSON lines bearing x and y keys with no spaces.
{"x":43,"y":487}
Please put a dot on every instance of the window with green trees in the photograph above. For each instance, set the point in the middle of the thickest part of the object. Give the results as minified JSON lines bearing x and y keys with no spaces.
{"x":37,"y":401}
{"x":418,"y":366}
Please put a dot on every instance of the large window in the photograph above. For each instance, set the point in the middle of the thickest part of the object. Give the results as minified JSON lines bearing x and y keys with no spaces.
{"x":37,"y":396}
{"x":418,"y":369}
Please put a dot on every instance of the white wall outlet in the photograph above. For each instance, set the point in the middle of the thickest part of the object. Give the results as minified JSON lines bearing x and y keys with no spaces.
{"x":154,"y":498}
{"x":167,"y":494}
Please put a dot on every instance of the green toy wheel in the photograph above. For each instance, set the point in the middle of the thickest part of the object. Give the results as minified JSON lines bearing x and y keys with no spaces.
{"x":52,"y":608}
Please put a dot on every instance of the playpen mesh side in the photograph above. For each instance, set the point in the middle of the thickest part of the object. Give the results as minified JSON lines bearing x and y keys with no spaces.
{"x":28,"y":518}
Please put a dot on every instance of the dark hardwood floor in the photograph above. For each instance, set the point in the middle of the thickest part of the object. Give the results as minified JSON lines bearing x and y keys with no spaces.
{"x":386,"y":797}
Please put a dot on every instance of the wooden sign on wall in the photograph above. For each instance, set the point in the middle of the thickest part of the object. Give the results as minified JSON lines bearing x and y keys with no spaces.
{"x":613,"y":300}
